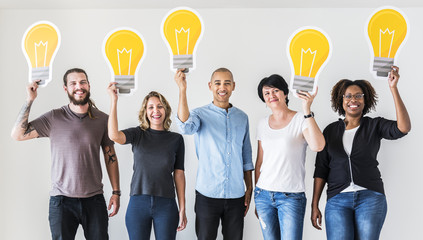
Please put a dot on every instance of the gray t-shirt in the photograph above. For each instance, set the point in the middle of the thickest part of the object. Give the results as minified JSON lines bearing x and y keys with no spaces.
{"x":75,"y":141}
{"x":156,"y":155}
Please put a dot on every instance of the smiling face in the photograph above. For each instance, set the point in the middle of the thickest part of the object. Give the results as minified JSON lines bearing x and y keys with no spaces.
{"x":353,"y":107}
{"x":156,"y":113}
{"x":77,"y":88}
{"x":222,"y":86}
{"x":273,"y":97}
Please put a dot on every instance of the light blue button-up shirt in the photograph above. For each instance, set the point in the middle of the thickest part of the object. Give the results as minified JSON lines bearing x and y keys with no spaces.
{"x":222,"y":144}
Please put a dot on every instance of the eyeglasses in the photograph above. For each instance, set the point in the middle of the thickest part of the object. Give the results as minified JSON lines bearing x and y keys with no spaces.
{"x":357,"y":96}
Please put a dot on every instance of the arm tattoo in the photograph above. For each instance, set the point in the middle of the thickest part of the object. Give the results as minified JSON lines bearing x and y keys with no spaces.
{"x":29,"y":129}
{"x":23,"y":119}
{"x":110,"y":155}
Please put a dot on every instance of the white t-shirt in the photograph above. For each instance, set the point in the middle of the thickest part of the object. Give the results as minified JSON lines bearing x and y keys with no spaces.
{"x":284,"y":152}
{"x":347,"y":140}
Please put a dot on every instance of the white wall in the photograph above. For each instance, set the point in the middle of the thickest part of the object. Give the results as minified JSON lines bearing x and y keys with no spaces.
{"x":250,"y":42}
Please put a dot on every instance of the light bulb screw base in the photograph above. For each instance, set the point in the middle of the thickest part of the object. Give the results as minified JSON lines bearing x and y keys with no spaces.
{"x":382,"y":66}
{"x":302,"y":83}
{"x":40,"y":73}
{"x":183,"y":61}
{"x":125,"y":83}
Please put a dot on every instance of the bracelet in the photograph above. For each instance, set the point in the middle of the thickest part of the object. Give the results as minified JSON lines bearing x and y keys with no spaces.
{"x":310,"y":115}
{"x":116,"y":193}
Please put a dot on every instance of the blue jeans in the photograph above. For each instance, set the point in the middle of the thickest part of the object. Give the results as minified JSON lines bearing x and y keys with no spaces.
{"x":65,"y":215}
{"x":355,"y":215}
{"x":146,"y":210}
{"x":281,"y":214}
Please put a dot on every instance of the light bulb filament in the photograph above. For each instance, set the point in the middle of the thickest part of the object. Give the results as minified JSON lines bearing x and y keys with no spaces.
{"x":312,"y":62}
{"x":177,"y":34}
{"x":45,"y":45}
{"x":128,"y":59}
{"x":381,"y":34}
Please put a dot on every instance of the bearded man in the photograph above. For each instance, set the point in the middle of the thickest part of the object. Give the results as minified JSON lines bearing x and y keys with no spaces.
{"x":77,"y":131}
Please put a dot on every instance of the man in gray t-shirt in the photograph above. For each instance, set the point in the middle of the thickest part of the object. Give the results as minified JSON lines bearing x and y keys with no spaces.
{"x":77,"y":131}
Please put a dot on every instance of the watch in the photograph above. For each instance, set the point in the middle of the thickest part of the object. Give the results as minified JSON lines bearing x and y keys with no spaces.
{"x":310,"y":115}
{"x":116,"y":193}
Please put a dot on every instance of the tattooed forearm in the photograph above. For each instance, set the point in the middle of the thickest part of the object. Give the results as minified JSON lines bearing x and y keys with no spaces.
{"x":111,"y":155}
{"x":23,"y":119}
{"x":29,"y":129}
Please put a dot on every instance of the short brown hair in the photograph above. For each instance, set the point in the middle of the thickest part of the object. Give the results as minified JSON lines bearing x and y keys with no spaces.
{"x":142,"y":116}
{"x":338,"y":91}
{"x":222,"y":69}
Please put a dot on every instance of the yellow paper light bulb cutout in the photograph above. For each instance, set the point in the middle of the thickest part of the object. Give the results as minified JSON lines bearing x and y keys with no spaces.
{"x":40,"y":44}
{"x":124,"y":50}
{"x":182,"y":29}
{"x":387,"y":30}
{"x":308,"y":49}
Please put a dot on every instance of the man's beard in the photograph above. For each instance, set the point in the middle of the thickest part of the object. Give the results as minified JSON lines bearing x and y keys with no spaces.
{"x":82,"y":101}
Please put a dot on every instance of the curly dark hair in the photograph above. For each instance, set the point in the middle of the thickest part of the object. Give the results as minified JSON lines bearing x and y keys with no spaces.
{"x":338,"y":91}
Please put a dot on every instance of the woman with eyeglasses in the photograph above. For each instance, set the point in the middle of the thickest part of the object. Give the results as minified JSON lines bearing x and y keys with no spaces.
{"x":356,"y":204}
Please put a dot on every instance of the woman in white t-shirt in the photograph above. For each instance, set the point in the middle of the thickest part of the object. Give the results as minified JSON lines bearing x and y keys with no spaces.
{"x":279,"y":172}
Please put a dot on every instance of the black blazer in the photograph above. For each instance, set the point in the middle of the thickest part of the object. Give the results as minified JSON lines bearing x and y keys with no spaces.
{"x":332,"y":162}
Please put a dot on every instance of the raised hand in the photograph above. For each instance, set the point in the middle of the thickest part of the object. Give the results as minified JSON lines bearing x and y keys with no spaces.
{"x":393,"y":77}
{"x":31,"y":90}
{"x":180,"y":79}
{"x":307,"y":100}
{"x":112,"y":91}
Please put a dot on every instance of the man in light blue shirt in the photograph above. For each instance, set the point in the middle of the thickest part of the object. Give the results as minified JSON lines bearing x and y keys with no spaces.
{"x":223,"y":148}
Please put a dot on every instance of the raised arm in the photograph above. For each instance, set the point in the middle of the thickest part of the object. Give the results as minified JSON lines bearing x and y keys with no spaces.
{"x":403,"y":119}
{"x":114,"y":134}
{"x":179,"y":177}
{"x":22,"y":130}
{"x":316,"y":215}
{"x":312,"y":134}
{"x":112,"y":167}
{"x":183,"y":110}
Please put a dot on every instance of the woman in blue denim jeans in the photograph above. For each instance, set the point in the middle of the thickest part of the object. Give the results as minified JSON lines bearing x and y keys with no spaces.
{"x":356,"y":206}
{"x":158,"y":169}
{"x":279,"y":173}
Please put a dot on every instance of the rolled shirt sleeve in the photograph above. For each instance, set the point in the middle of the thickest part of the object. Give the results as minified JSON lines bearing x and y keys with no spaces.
{"x":223,"y":148}
{"x":191,"y":125}
{"x":247,"y":151}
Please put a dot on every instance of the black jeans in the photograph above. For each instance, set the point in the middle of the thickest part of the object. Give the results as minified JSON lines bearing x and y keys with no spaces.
{"x":65,"y":215}
{"x":209,"y":211}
